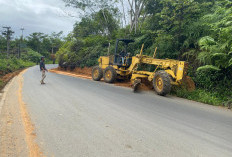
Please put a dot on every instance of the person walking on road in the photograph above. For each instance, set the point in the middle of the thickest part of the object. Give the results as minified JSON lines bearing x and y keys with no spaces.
{"x":43,"y":69}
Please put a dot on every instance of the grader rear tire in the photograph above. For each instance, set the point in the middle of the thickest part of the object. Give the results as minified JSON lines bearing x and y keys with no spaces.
{"x":97,"y":73}
{"x":162,"y":83}
{"x":110,"y":74}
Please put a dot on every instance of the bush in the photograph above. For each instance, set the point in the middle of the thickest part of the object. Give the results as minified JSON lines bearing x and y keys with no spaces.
{"x":208,"y":77}
{"x":31,"y":56}
{"x":201,"y":95}
{"x":81,"y":53}
{"x":11,"y":65}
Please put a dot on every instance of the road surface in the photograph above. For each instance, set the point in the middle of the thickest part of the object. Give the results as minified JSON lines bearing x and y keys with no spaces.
{"x":76,"y":117}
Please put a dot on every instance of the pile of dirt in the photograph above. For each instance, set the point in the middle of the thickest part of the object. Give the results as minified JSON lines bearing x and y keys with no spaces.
{"x":85,"y":71}
{"x":189,"y":84}
{"x":126,"y":83}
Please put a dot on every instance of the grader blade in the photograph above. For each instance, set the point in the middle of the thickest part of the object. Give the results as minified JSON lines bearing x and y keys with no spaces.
{"x":136,"y":86}
{"x":188,"y":84}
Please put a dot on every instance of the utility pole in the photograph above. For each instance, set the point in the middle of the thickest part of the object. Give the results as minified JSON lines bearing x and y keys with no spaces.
{"x":8,"y":34}
{"x":21,"y":42}
{"x":22,"y":29}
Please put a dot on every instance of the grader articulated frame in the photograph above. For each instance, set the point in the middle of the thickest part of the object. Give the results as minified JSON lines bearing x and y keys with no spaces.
{"x":167,"y":72}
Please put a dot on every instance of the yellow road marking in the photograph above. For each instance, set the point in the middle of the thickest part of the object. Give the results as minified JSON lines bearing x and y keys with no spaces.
{"x":34,"y":150}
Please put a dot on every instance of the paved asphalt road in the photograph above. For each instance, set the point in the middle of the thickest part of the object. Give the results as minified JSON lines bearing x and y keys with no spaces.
{"x":75,"y":117}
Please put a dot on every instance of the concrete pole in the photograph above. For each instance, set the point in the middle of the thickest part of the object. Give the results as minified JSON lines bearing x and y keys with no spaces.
{"x":8,"y":33}
{"x":21,"y":42}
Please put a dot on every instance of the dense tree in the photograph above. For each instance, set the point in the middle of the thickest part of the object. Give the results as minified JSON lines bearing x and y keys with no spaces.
{"x":35,"y":42}
{"x":2,"y":44}
{"x":43,"y":43}
{"x":136,"y":8}
{"x":197,"y":31}
{"x":56,"y":41}
{"x":91,"y":7}
{"x":216,"y":47}
{"x":97,"y":24}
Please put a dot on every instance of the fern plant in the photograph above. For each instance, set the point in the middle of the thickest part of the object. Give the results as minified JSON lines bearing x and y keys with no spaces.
{"x":216,"y":49}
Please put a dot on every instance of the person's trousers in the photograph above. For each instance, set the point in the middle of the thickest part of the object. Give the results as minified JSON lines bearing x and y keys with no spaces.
{"x":43,"y":76}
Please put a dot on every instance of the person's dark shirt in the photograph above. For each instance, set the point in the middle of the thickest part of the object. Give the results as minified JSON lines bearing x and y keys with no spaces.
{"x":42,"y":65}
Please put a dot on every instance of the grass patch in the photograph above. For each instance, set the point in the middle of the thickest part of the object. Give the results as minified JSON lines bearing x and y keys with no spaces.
{"x":208,"y":97}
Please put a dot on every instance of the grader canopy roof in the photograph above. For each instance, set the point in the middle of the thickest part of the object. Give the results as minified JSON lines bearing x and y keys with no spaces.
{"x":127,"y":41}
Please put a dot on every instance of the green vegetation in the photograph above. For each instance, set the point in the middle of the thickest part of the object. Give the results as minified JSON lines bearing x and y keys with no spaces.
{"x":195,"y":31}
{"x":32,"y":56}
{"x":44,"y":44}
{"x":35,"y":45}
{"x":1,"y":83}
{"x":201,"y":95}
{"x":11,"y":65}
{"x":31,"y":49}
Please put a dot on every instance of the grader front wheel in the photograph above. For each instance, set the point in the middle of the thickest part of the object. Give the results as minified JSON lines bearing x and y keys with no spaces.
{"x":162,"y":83}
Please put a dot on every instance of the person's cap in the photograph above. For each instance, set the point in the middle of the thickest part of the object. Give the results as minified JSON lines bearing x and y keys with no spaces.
{"x":42,"y":57}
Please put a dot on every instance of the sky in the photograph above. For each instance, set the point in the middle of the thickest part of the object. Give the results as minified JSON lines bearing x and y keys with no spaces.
{"x":44,"y":16}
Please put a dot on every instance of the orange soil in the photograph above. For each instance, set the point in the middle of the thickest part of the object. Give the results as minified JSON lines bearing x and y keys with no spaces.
{"x":86,"y":73}
{"x":189,"y":84}
{"x":6,"y":78}
{"x":83,"y":71}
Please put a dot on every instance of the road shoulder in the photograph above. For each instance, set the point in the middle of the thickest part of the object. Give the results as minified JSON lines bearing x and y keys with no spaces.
{"x":17,"y":132}
{"x":12,"y":136}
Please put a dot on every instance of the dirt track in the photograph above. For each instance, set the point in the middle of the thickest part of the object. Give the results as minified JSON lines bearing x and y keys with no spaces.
{"x":86,"y":74}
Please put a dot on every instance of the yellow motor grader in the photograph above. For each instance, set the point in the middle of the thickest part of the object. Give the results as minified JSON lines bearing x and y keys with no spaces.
{"x":165,"y":73}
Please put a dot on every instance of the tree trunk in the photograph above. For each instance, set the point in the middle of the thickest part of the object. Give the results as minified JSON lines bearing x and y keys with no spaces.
{"x":136,"y":7}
